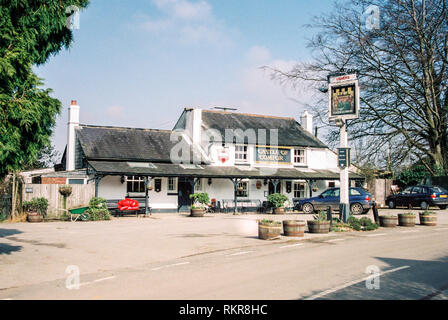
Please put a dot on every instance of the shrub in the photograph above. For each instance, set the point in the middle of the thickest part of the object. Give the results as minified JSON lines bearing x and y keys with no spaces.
{"x":200,"y":200}
{"x":364,"y":224}
{"x":272,"y":223}
{"x":98,"y":209}
{"x":428,"y":213}
{"x":277,"y":200}
{"x":321,"y":216}
{"x":39,"y":205}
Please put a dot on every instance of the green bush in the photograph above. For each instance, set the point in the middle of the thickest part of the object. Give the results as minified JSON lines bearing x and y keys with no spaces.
{"x":200,"y":200}
{"x":272,"y":223}
{"x":98,"y":210}
{"x":277,"y":200}
{"x":364,"y":224}
{"x":321,"y":216}
{"x":39,"y":205}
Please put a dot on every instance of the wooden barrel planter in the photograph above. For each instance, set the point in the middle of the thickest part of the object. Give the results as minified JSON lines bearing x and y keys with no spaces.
{"x":428,"y":219}
{"x":269,"y":231}
{"x":197,"y":213}
{"x":388,"y":221}
{"x":294,"y":228}
{"x":35,"y":217}
{"x":406,"y":220}
{"x":279,"y":211}
{"x":318,"y":226}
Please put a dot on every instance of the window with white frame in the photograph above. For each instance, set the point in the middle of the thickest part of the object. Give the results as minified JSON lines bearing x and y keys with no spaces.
{"x":198,"y":187}
{"x":241,"y":154}
{"x":243,"y":189}
{"x":135,"y":184}
{"x":172,"y":184}
{"x":299,"y":156}
{"x":299,"y":190}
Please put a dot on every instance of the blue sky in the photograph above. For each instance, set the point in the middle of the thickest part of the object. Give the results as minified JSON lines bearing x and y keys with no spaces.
{"x":139,"y":63}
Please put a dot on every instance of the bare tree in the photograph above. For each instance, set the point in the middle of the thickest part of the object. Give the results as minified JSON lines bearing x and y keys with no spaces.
{"x":402,"y":66}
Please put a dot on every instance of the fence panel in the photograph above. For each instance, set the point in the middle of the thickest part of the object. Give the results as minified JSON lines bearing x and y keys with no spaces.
{"x":5,"y":202}
{"x":81,"y":195}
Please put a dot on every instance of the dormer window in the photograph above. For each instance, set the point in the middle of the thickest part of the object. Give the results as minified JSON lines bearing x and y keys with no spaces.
{"x":299,"y":156}
{"x":241,"y":154}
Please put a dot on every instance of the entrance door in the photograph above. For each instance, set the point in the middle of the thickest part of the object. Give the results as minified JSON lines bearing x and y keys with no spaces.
{"x":185,"y":189}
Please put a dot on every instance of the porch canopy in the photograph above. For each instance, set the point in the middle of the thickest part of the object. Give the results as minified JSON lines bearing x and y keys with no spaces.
{"x":194,"y":172}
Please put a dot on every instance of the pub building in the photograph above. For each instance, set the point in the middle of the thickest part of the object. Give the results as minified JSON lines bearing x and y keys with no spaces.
{"x":238,"y":159}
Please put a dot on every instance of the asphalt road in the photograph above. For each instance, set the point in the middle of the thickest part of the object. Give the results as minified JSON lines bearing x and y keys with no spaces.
{"x":412,"y":264}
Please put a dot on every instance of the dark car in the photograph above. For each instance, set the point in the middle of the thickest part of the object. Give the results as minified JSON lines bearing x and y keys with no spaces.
{"x":419,"y":196}
{"x":360,"y":201}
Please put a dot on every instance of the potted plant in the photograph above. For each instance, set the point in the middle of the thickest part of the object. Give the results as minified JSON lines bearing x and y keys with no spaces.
{"x":320,"y":224}
{"x":200,"y":203}
{"x":294,"y":228}
{"x":428,"y":218}
{"x":277,"y":200}
{"x":269,"y":229}
{"x":388,"y":221}
{"x":36,"y":209}
{"x":65,"y":191}
{"x":406,"y":219}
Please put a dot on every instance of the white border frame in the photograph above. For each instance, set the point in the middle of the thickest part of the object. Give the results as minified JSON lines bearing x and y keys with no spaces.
{"x":352,"y":80}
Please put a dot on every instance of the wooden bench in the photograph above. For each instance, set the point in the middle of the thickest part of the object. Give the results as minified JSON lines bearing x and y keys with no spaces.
{"x":112,"y":206}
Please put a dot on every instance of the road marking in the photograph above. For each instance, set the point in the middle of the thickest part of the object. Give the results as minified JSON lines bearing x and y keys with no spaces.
{"x":170,"y":266}
{"x":97,"y":280}
{"x":351,"y":283}
{"x":7,"y":299}
{"x":292,"y":245}
{"x":376,"y":235}
{"x":104,"y":279}
{"x":335,"y":240}
{"x":239,"y":253}
{"x":410,"y":231}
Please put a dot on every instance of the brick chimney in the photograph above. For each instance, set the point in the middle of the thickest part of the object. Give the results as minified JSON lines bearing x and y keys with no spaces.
{"x":73,"y":122}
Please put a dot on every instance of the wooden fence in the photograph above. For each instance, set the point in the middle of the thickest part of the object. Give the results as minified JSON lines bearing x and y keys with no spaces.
{"x":81,"y":195}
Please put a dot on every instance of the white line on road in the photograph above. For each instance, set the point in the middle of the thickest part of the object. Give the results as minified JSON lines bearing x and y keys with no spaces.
{"x":292,"y":245}
{"x":335,"y":240}
{"x":239,"y":253}
{"x":376,"y":235}
{"x":7,"y":299}
{"x":170,"y":265}
{"x":410,"y":231}
{"x":351,"y":283}
{"x":97,"y":280}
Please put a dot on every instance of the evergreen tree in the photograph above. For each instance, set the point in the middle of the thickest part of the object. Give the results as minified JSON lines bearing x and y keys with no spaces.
{"x":30,"y":32}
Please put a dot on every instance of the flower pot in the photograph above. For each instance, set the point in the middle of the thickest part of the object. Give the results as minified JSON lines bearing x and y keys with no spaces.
{"x":197,"y":212}
{"x":294,"y":228}
{"x":406,"y":220}
{"x":279,"y":210}
{"x":269,"y":231}
{"x":428,"y":219}
{"x":34,"y":217}
{"x":388,"y":222}
{"x":318,"y":226}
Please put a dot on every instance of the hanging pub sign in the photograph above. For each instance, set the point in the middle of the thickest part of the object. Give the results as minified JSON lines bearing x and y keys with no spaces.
{"x":344,"y":97}
{"x":223,"y":155}
{"x":344,"y":158}
{"x":268,"y":155}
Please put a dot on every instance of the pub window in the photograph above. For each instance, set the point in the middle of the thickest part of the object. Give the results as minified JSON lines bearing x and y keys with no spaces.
{"x":243,"y":189}
{"x":331,"y":184}
{"x":241,"y":154}
{"x":172,"y":184}
{"x":299,"y":156}
{"x":135,"y":184}
{"x":198,"y":185}
{"x":299,"y":190}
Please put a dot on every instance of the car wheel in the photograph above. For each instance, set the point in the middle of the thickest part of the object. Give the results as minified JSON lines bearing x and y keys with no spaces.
{"x":391,"y":204}
{"x":308,"y":208}
{"x":442,"y":207}
{"x":356,"y":208}
{"x":424,"y":205}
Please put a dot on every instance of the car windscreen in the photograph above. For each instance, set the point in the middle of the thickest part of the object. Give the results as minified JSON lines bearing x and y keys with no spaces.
{"x":437,"y":190}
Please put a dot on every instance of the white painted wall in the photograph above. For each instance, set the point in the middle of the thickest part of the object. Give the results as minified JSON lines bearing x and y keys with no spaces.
{"x":110,"y":187}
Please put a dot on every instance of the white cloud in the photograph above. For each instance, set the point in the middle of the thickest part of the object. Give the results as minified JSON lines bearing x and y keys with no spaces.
{"x":188,"y":22}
